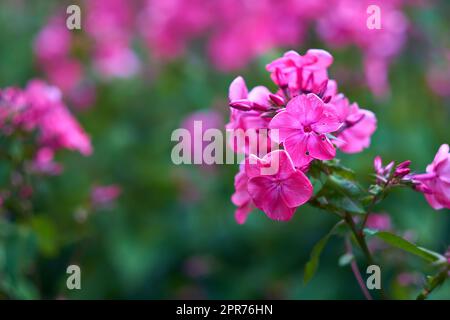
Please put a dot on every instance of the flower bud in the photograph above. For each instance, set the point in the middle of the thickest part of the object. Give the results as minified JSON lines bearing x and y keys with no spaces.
{"x":277,"y":100}
{"x":244,"y":105}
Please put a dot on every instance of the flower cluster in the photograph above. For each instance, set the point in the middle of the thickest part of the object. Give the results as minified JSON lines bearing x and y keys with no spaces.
{"x":168,"y":27}
{"x":435,"y":183}
{"x":304,"y":116}
{"x":109,"y":25}
{"x":39,"y":108}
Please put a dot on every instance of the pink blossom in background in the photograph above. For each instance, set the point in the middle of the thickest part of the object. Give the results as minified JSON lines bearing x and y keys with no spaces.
{"x":234,"y":33}
{"x":53,"y":41}
{"x":205,"y":120}
{"x":345,"y":23}
{"x":44,"y":162}
{"x":437,"y":180}
{"x":116,"y":61}
{"x":58,"y":128}
{"x":438,"y":76}
{"x":52,"y":47}
{"x":379,"y":221}
{"x":303,"y":126}
{"x":278,"y":194}
{"x":110,"y":24}
{"x":359,"y":125}
{"x":39,"y":107}
{"x":102,"y":196}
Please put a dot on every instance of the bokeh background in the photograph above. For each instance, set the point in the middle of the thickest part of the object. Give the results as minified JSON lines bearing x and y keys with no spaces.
{"x":171,"y":232}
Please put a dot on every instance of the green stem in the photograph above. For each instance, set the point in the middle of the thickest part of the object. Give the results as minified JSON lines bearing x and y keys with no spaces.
{"x":435,"y":282}
{"x":359,"y":236}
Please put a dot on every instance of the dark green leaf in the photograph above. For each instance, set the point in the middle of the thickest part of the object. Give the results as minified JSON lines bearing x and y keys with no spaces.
{"x":405,"y":245}
{"x":342,"y":194}
{"x":313,"y":263}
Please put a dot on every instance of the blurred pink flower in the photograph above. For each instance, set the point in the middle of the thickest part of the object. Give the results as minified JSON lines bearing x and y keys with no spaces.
{"x":104,"y":195}
{"x":40,"y":108}
{"x":278,"y":194}
{"x":303,"y":126}
{"x":379,"y":221}
{"x":197,"y":123}
{"x":437,"y":179}
{"x":58,"y":128}
{"x":44,"y":163}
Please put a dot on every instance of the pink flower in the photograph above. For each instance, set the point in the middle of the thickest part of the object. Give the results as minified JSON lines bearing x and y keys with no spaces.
{"x":437,"y":180}
{"x":276,"y":186}
{"x":58,"y":128}
{"x":44,"y":162}
{"x":302,"y":129}
{"x":379,"y":221}
{"x":197,"y":123}
{"x":116,"y":60}
{"x":296,"y":74}
{"x":359,"y":125}
{"x":241,"y":198}
{"x":105,"y":195}
{"x":241,"y":122}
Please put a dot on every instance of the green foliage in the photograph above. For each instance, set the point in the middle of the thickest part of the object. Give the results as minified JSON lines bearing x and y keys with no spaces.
{"x":407,"y":246}
{"x":314,"y":259}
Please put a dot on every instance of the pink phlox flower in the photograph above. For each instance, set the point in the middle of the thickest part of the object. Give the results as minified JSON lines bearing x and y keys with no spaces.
{"x":359,"y":125}
{"x":248,"y":117}
{"x":302,"y":128}
{"x":276,"y":186}
{"x":437,"y":179}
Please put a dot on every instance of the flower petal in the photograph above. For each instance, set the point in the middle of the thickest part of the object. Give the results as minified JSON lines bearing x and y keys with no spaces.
{"x":297,"y":147}
{"x":296,"y":190}
{"x":238,"y":89}
{"x":328,"y":121}
{"x":283,"y":125}
{"x":321,"y":148}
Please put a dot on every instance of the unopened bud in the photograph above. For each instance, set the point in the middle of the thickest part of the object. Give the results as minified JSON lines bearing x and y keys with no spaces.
{"x":244,"y":105}
{"x":276,"y":99}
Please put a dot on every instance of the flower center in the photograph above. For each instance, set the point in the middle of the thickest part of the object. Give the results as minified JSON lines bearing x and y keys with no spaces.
{"x":307,"y":129}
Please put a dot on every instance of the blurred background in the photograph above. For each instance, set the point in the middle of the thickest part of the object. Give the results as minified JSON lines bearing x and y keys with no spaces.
{"x":141,"y":227}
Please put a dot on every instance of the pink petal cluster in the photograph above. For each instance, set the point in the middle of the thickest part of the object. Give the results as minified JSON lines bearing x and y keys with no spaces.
{"x":345,"y":23}
{"x":272,"y":184}
{"x":110,"y":25}
{"x":305,"y":116}
{"x":102,"y":196}
{"x":303,"y":126}
{"x":39,"y":108}
{"x":437,"y":180}
{"x":438,"y":75}
{"x":379,"y":221}
{"x":246,"y":113}
{"x":53,"y":49}
{"x":359,"y":125}
{"x":235,"y":32}
{"x":204,"y":120}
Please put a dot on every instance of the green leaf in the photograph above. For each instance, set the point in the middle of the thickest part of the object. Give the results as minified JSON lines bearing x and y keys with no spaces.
{"x":314,"y":259}
{"x":399,"y":242}
{"x":341,"y":194}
